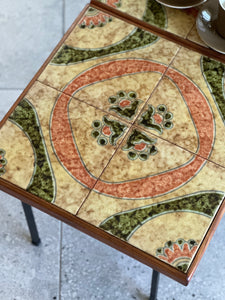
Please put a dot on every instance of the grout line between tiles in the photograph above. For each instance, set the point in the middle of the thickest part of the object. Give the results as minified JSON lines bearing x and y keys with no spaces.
{"x":114,"y":153}
{"x":131,"y":124}
{"x":178,"y":146}
{"x":157,"y":85}
{"x":88,"y":104}
{"x":186,"y":37}
{"x":60,"y":260}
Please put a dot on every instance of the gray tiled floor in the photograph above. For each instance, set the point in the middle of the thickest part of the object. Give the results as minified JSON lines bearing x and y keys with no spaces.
{"x":69,"y":265}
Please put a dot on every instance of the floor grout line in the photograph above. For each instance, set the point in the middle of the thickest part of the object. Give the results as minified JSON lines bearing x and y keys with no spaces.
{"x":13,"y":89}
{"x":60,"y":260}
{"x":63,"y":17}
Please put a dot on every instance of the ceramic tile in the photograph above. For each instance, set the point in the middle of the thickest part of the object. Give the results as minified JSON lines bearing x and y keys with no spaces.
{"x":194,"y":37}
{"x":176,"y":21}
{"x":165,"y":222}
{"x":141,"y":155}
{"x":122,"y":96}
{"x":167,"y":115}
{"x":203,"y":93}
{"x":42,"y":158}
{"x":96,"y":55}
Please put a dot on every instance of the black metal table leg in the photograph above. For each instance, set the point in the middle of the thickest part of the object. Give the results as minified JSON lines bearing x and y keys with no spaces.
{"x":31,"y":224}
{"x":154,"y":286}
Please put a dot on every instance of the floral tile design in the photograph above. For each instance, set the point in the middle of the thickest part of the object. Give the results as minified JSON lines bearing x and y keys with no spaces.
{"x":92,"y":56}
{"x":192,"y":84}
{"x":176,"y":21}
{"x":167,"y":114}
{"x":126,"y":130}
{"x":121,"y":96}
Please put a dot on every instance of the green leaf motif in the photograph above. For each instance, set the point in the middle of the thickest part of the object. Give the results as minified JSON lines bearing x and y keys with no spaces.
{"x":214,"y":73}
{"x":124,"y":224}
{"x":42,"y":183}
{"x":154,"y":14}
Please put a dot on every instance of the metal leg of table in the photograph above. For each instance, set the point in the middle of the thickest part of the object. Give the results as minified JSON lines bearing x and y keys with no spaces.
{"x":154,"y":285}
{"x":31,"y":224}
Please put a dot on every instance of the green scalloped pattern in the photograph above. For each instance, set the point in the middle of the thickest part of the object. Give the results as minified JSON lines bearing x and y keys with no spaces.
{"x":214,"y":72}
{"x":139,"y":38}
{"x":124,"y":224}
{"x":42,"y":183}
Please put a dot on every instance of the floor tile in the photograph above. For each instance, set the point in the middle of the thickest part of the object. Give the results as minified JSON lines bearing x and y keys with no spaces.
{"x":93,"y":270}
{"x":92,"y":55}
{"x":72,"y":10}
{"x":29,"y":32}
{"x":27,"y":271}
{"x":176,"y":21}
{"x":131,"y":193}
{"x":204,"y":90}
{"x":8,"y":98}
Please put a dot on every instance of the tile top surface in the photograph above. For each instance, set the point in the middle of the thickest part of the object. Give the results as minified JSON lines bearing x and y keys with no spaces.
{"x":179,"y":22}
{"x":125,"y":130}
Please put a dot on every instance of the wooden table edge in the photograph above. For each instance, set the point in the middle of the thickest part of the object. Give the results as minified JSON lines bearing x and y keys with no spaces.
{"x":205,"y":242}
{"x":93,"y":231}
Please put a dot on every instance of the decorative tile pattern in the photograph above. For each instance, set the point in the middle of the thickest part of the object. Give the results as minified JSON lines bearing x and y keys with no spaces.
{"x":176,"y":21}
{"x":89,"y":53}
{"x":178,"y":253}
{"x":183,"y":210}
{"x":94,"y":18}
{"x":207,"y":78}
{"x":126,"y":130}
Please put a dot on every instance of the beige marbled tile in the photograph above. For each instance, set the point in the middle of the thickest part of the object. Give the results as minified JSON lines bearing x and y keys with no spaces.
{"x":156,"y":232}
{"x":98,"y":37}
{"x":170,"y":227}
{"x":99,"y":94}
{"x":182,"y":131}
{"x":189,"y":63}
{"x":61,"y":75}
{"x":94,"y":155}
{"x":43,"y":98}
{"x":180,"y":21}
{"x":168,"y":157}
{"x":99,"y":206}
{"x":19,"y":155}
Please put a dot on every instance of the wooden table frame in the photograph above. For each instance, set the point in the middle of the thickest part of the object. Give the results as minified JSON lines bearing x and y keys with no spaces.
{"x":76,"y":222}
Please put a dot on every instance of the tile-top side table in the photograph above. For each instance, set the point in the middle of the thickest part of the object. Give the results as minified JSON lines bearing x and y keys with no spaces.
{"x":121,"y":135}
